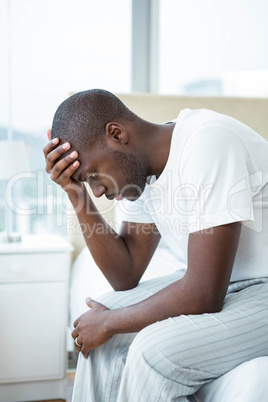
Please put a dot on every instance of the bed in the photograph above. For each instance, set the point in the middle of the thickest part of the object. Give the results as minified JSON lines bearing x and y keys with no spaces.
{"x":247,"y":382}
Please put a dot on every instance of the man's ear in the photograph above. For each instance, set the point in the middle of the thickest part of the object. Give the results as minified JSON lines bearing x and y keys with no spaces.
{"x":116,"y":133}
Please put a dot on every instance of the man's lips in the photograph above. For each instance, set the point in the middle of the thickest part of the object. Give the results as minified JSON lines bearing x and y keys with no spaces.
{"x":118,"y":197}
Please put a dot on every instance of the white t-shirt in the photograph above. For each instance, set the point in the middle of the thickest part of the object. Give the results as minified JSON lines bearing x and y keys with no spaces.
{"x":216,"y":173}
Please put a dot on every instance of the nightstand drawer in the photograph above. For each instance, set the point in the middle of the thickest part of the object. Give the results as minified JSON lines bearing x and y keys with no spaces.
{"x":34,"y":267}
{"x":33,"y":329}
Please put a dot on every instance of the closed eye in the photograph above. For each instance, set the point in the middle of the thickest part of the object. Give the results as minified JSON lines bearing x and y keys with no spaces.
{"x":92,"y":176}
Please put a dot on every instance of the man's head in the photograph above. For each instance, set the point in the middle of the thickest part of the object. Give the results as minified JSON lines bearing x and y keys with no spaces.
{"x":82,"y":118}
{"x":97,"y":125}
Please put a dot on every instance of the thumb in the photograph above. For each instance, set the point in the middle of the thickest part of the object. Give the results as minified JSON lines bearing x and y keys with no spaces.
{"x":90,"y":302}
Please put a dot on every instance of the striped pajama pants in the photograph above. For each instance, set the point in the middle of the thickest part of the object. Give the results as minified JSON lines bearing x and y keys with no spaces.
{"x":171,"y":359}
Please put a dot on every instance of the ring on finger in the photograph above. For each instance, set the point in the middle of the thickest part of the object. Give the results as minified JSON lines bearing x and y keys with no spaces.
{"x":78,"y":344}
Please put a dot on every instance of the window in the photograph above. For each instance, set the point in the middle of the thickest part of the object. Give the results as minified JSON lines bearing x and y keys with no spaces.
{"x":213,"y":47}
{"x":57,"y":47}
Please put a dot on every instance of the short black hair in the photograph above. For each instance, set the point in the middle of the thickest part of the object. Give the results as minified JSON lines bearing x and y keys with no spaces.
{"x":82,"y":118}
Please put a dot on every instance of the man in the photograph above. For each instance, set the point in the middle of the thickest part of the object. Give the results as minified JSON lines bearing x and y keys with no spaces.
{"x":201,"y":184}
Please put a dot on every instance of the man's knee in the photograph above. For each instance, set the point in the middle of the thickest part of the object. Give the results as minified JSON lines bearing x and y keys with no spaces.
{"x":117,"y":299}
{"x":165,"y":350}
{"x":110,"y":299}
{"x":150,"y":346}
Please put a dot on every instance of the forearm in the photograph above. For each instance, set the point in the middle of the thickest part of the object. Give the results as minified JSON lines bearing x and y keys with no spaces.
{"x":201,"y":290}
{"x":122,"y":258}
{"x":181,"y":297}
{"x":107,"y":247}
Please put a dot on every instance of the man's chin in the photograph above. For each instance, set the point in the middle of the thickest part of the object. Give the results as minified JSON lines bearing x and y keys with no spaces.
{"x":119,"y":197}
{"x":131,"y":197}
{"x":132,"y":192}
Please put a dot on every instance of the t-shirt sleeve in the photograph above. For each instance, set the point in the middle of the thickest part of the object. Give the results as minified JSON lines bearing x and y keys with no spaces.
{"x":215,"y":179}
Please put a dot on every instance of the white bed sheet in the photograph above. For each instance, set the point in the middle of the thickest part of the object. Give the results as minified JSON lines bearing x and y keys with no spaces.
{"x":246,"y":383}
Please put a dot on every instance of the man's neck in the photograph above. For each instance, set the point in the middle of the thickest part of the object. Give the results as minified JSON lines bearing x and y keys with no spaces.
{"x":158,"y":147}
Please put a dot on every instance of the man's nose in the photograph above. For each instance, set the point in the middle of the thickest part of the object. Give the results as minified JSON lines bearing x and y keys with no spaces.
{"x":98,"y":190}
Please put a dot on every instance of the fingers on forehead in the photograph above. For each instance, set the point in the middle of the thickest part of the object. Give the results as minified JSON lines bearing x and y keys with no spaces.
{"x":62,"y":152}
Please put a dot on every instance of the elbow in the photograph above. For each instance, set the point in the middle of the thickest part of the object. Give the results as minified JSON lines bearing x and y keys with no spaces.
{"x":123,"y":286}
{"x":205,"y":302}
{"x":129,"y":280}
{"x":204,"y":305}
{"x":211,"y":305}
{"x":213,"y":308}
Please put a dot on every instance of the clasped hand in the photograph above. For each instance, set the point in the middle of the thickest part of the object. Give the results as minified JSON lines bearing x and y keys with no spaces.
{"x":90,"y":328}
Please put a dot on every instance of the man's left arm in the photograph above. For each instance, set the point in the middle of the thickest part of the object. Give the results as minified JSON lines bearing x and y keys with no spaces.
{"x":211,"y":255}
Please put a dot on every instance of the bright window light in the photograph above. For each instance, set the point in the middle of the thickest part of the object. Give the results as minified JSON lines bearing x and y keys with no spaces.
{"x":57,"y":47}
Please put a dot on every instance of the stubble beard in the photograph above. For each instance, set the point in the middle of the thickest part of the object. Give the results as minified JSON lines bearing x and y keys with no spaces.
{"x":134,"y":173}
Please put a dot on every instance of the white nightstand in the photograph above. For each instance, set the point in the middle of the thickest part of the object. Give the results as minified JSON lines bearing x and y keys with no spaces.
{"x":34,"y":279}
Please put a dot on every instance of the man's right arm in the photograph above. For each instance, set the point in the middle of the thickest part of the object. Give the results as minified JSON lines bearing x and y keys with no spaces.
{"x":121,"y":257}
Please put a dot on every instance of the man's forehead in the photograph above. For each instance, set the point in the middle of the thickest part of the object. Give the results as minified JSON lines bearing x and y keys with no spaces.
{"x":89,"y":160}
{"x":84,"y":160}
